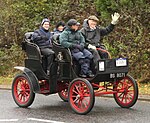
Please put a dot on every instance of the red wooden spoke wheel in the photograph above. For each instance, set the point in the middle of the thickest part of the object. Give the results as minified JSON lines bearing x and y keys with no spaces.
{"x":81,"y":96}
{"x":22,"y":92}
{"x":127,"y":92}
{"x":64,"y":95}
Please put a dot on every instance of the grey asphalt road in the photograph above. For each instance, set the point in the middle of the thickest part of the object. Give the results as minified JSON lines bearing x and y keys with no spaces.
{"x":51,"y":109}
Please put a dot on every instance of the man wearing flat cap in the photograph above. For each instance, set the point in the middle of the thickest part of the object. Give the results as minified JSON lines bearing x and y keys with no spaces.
{"x":93,"y":34}
{"x":73,"y":39}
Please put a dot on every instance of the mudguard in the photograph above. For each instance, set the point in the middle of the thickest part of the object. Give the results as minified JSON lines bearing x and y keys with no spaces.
{"x":32,"y":78}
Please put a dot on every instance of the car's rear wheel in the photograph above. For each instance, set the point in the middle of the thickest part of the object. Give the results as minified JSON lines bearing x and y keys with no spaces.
{"x":64,"y":95}
{"x":22,"y":92}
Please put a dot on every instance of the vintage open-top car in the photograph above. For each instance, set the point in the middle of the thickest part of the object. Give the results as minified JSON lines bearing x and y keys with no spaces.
{"x":110,"y":78}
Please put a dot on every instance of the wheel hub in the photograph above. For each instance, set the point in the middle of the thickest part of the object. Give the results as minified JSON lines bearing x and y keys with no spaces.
{"x":80,"y":96}
{"x":23,"y":89}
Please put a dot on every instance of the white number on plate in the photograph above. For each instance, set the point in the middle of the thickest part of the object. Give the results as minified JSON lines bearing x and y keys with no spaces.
{"x":121,"y":62}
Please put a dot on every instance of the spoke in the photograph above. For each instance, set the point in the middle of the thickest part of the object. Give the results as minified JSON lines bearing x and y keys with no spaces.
{"x":124,"y":83}
{"x":83,"y":105}
{"x":75,"y":92}
{"x":129,"y":86}
{"x":120,"y":95}
{"x":27,"y":94}
{"x":21,"y":97}
{"x":24,"y":98}
{"x":18,"y":86}
{"x":123,"y":98}
{"x":18,"y":95}
{"x":27,"y":90}
{"x":119,"y":85}
{"x":22,"y":82}
{"x":76,"y":100}
{"x":130,"y":91}
{"x":128,"y":98}
{"x":122,"y":86}
{"x":87,"y":99}
{"x":27,"y":86}
{"x":86,"y":95}
{"x":131,"y":96}
{"x":79,"y":104}
{"x":77,"y":88}
{"x":80,"y":87}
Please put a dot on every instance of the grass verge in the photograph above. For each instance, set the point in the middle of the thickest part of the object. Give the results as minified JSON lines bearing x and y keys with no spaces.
{"x":144,"y":88}
{"x":5,"y":80}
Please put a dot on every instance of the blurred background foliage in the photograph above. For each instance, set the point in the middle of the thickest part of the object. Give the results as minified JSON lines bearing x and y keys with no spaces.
{"x":131,"y":37}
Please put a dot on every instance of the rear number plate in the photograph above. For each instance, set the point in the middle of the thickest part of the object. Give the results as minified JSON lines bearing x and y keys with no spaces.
{"x":121,"y":62}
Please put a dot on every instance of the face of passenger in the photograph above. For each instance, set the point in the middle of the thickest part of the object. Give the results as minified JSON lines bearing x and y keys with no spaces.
{"x":92,"y":24}
{"x":46,"y":25}
{"x":75,"y":27}
{"x":60,"y":28}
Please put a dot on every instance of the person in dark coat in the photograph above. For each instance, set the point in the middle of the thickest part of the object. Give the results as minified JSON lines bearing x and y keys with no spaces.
{"x":42,"y":37}
{"x":93,"y":34}
{"x":72,"y":38}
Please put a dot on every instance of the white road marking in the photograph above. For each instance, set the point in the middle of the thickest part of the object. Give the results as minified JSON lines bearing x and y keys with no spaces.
{"x":42,"y":120}
{"x":8,"y":120}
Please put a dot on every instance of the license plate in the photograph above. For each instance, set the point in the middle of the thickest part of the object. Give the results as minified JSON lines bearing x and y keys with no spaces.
{"x":121,"y":62}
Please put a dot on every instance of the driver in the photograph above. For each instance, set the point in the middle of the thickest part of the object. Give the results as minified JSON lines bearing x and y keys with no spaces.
{"x":42,"y":37}
{"x":93,"y":34}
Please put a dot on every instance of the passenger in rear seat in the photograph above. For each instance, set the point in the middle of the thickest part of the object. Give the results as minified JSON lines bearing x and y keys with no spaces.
{"x":60,"y":26}
{"x":72,"y":38}
{"x":42,"y":37}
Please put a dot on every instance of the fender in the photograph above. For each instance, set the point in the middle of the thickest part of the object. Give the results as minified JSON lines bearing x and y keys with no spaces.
{"x":32,"y":78}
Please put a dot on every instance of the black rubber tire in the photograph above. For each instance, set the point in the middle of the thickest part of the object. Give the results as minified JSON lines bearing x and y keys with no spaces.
{"x":25,"y":91}
{"x":81,"y":96}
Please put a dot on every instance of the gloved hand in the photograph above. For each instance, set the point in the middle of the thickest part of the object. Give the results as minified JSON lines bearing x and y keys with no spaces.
{"x":81,"y":47}
{"x":115,"y":18}
{"x":91,"y":47}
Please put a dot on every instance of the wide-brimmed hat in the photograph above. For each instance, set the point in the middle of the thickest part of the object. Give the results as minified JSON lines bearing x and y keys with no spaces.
{"x":93,"y":17}
{"x":72,"y":22}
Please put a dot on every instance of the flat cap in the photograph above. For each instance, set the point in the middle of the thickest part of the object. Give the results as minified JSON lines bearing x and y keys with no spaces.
{"x":93,"y":17}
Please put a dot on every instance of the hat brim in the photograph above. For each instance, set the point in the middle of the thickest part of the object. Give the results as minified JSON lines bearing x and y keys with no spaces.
{"x":96,"y":20}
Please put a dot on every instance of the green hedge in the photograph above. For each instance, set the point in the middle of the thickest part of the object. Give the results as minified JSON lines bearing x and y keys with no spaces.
{"x":129,"y":39}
